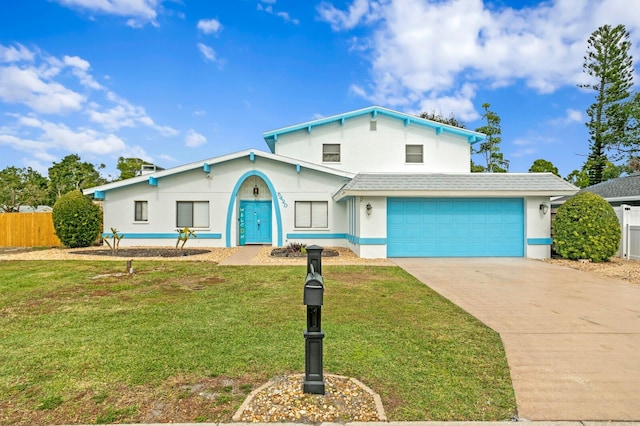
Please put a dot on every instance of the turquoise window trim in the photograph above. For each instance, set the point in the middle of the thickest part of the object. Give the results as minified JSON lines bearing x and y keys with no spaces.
{"x":539,"y":241}
{"x":162,"y":235}
{"x":234,"y":195}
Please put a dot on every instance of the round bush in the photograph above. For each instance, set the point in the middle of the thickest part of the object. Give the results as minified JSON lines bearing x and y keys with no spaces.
{"x":76,"y":219}
{"x":586,"y":227}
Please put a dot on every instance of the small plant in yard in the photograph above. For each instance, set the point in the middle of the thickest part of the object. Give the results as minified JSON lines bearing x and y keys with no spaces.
{"x":76,"y":219}
{"x":586,"y":227}
{"x":115,"y":244}
{"x":297,"y":248}
{"x":184,"y":235}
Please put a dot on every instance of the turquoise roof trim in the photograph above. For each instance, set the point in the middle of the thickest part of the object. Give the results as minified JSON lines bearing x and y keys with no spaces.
{"x":271,"y":137}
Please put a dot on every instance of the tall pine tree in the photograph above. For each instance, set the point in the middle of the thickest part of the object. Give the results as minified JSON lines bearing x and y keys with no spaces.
{"x":610,"y":65}
{"x":490,"y":148}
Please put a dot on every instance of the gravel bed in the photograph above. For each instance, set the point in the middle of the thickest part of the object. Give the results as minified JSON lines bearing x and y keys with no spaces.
{"x":282,"y":400}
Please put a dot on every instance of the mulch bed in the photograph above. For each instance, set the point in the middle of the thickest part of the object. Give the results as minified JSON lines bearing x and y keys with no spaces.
{"x":285,"y":252}
{"x":144,"y":252}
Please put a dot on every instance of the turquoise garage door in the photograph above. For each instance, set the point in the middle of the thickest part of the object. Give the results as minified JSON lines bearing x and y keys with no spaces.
{"x":455,"y":227}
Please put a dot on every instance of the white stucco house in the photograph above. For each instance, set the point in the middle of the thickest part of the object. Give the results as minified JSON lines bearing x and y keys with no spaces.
{"x":380,"y":182}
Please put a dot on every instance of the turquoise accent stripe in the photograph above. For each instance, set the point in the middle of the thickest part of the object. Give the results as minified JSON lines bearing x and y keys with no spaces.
{"x":539,"y":241}
{"x":318,"y":236}
{"x":159,"y":235}
{"x":98,"y":195}
{"x":371,"y":241}
{"x":234,"y":195}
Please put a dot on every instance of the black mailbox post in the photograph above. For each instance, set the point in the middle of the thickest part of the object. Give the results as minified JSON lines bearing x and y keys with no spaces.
{"x":313,"y":335}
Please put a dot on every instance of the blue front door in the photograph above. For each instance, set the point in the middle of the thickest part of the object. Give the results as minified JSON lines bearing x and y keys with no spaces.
{"x":255,"y":222}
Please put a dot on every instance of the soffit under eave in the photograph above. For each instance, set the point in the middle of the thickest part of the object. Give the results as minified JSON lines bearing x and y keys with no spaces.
{"x":340,"y":195}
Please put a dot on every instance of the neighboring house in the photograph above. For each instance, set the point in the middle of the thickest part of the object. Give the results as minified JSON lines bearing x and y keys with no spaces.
{"x":623,"y":194}
{"x":380,"y":182}
{"x":618,"y":191}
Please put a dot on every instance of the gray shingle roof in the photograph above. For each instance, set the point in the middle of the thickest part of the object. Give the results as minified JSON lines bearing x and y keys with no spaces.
{"x":480,"y":183}
{"x":626,"y":186}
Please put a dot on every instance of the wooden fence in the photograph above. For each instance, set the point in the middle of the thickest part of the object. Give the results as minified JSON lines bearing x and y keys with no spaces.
{"x":27,"y":230}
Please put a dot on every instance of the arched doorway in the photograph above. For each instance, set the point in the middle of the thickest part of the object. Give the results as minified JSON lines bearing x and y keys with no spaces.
{"x":254,"y":214}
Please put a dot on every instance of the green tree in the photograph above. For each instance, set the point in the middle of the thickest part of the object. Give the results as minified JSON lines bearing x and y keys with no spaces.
{"x":437,"y":116}
{"x":586,"y":227}
{"x":542,"y":166}
{"x":76,"y":219}
{"x":610,"y":66}
{"x":21,"y":187}
{"x":72,"y":173}
{"x":130,"y":167}
{"x":580,"y":178}
{"x":490,"y":147}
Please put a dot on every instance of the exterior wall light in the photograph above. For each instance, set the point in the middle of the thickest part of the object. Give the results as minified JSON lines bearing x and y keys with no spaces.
{"x":369,"y":208}
{"x":256,"y":191}
{"x":544,"y":208}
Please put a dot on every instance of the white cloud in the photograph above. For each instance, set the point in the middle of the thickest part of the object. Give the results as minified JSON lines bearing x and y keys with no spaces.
{"x":194,"y":139}
{"x":209,"y":26}
{"x":15,"y":54}
{"x":344,"y":20}
{"x":572,"y":116}
{"x":138,"y":12}
{"x":421,"y":49}
{"x":124,"y":114}
{"x":208,"y":52}
{"x":281,"y":14}
{"x":25,"y":86}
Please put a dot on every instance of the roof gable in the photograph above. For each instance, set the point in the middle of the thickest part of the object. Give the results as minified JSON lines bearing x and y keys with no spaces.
{"x":206,"y":165}
{"x":271,"y":137}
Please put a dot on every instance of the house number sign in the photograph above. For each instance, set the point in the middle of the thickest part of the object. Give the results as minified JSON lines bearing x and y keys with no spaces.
{"x":281,"y":198}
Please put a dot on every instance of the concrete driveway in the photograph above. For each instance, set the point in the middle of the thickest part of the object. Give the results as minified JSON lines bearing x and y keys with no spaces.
{"x":572,"y":338}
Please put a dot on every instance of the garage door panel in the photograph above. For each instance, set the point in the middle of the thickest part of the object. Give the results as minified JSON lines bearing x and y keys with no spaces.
{"x":455,"y":227}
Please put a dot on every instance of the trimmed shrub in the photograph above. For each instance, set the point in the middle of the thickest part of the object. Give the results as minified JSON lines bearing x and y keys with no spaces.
{"x":76,"y":219}
{"x":586,"y":227}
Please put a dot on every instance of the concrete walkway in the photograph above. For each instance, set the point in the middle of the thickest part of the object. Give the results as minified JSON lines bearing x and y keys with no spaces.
{"x":244,"y":256}
{"x":572,"y":339}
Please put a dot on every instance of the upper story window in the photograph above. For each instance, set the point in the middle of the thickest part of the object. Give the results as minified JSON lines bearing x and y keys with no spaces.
{"x":414,"y":154}
{"x":194,"y":214}
{"x":141,"y":211}
{"x":373,"y":125}
{"x":312,"y":214}
{"x":331,"y":153}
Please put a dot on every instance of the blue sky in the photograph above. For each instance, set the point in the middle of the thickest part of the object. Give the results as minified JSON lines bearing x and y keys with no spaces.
{"x":176,"y":81}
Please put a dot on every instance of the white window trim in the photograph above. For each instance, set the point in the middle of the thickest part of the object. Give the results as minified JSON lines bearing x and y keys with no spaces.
{"x":407,"y":154}
{"x":135,"y":204}
{"x":208,"y":226}
{"x":339,"y":153}
{"x":311,"y":227}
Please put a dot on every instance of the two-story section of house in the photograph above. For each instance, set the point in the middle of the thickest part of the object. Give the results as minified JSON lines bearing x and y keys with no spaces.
{"x":381,"y":182}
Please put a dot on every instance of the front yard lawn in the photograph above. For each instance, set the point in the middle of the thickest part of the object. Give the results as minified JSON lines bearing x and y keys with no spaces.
{"x":187,"y":341}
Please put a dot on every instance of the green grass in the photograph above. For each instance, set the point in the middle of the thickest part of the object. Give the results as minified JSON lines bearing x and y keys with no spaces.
{"x":65,"y":332}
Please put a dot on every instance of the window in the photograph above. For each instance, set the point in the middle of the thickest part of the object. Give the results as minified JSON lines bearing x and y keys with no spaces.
{"x":141,"y":211}
{"x":331,"y":152}
{"x":312,"y":214}
{"x":373,"y":125}
{"x":414,"y":154}
{"x":194,"y":214}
